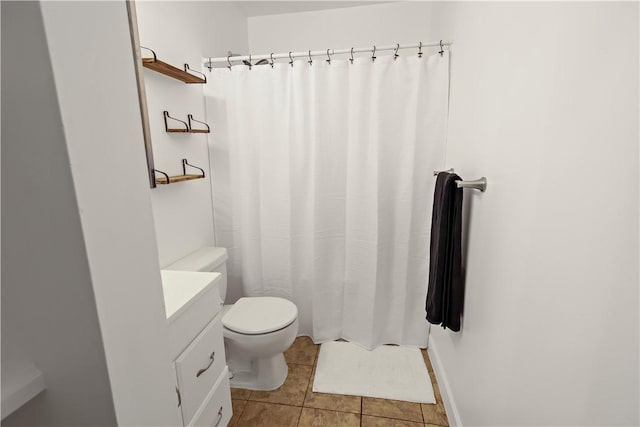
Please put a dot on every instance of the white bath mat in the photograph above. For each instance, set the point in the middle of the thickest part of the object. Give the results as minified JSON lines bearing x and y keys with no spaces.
{"x":388,"y":372}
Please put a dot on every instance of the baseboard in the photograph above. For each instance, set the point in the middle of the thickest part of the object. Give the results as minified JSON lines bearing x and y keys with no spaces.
{"x":445,"y":389}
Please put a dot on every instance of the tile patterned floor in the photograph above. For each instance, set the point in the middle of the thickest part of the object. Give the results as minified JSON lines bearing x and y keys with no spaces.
{"x":295,"y":404}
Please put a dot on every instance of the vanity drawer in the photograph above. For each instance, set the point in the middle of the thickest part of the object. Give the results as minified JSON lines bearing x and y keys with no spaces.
{"x":199,"y":367}
{"x":216,"y":411}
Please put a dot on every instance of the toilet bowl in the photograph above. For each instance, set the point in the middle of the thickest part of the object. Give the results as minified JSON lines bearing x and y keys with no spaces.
{"x":257,"y":330}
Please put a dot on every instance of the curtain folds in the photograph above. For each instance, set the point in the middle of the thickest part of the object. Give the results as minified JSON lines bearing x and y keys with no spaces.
{"x":323,"y":185}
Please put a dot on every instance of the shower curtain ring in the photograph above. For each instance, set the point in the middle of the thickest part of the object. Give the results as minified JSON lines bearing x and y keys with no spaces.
{"x":229,"y":62}
{"x":373,"y":57}
{"x":290,"y":60}
{"x":420,"y":50}
{"x":441,"y":49}
{"x":328,"y":57}
{"x":271,"y":59}
{"x":310,"y":60}
{"x":351,"y":60}
{"x":249,"y":62}
{"x":395,"y":54}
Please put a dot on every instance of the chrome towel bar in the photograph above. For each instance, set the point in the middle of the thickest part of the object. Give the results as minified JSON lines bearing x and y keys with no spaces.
{"x":477,"y":184}
{"x":435,"y":173}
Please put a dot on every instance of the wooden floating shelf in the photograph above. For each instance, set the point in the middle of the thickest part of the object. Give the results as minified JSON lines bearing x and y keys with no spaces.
{"x":187,"y":125}
{"x":170,"y":130}
{"x":177,"y":178}
{"x":166,"y":179}
{"x":190,"y":125}
{"x":188,"y":131}
{"x":171,"y":71}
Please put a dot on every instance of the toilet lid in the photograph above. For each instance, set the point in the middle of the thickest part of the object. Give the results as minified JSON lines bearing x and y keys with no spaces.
{"x":260,"y":315}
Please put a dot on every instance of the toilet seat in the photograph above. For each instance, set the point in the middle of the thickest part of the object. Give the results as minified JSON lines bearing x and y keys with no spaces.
{"x":259,"y":315}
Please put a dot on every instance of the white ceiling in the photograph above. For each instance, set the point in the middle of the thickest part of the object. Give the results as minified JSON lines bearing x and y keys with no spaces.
{"x":258,"y":8}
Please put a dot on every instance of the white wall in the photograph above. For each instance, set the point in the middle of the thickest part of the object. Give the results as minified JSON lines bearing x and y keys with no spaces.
{"x":81,"y":285}
{"x":544,"y":102}
{"x":179,"y":32}
{"x":546,"y":106}
{"x":49,"y":314}
{"x":360,"y":26}
{"x":93,"y":66}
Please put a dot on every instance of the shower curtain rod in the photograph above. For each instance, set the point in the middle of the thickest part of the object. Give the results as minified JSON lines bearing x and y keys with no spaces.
{"x":208,"y":62}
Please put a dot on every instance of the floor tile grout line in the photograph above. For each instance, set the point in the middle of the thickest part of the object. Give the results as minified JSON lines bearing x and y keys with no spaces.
{"x":286,"y":404}
{"x":332,"y":410}
{"x":246,"y":402}
{"x":306,"y":390}
{"x":342,"y":411}
{"x":298,"y":363}
{"x":275,"y":403}
{"x":311,"y":407}
{"x":397,"y":419}
{"x":361,"y":414}
{"x":299,"y":417}
{"x":270,"y":403}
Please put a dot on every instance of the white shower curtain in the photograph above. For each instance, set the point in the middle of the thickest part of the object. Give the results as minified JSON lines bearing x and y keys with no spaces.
{"x":323,"y":185}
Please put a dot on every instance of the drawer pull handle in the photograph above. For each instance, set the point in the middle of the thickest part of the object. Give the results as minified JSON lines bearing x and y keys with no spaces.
{"x":179,"y":397}
{"x":203,"y":370}
{"x":219,"y":417}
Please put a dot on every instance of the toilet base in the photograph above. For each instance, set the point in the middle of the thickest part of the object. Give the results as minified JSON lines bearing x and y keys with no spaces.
{"x":264,"y":375}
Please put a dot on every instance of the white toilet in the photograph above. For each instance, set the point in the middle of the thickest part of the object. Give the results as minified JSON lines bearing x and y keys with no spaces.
{"x":257,"y":330}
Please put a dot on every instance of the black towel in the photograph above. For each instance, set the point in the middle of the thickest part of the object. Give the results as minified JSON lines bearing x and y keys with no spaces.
{"x":445,"y":294}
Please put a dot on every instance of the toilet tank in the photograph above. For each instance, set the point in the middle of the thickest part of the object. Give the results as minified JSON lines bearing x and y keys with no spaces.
{"x":207,"y":259}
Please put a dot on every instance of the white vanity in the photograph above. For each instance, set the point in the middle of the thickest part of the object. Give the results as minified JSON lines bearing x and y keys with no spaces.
{"x":194,"y":312}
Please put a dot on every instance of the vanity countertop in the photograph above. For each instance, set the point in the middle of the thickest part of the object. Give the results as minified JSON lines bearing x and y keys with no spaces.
{"x":183,"y":288}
